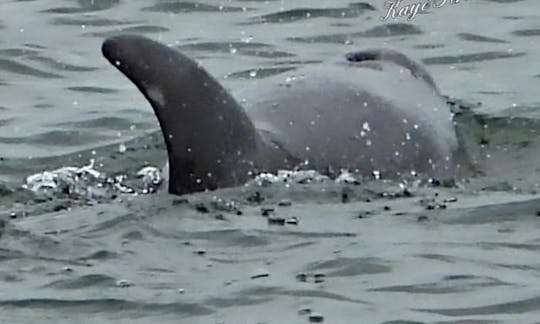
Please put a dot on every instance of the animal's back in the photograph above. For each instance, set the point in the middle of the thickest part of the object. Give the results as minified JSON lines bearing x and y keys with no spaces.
{"x":373,"y":117}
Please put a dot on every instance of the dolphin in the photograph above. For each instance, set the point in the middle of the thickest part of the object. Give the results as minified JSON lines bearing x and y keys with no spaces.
{"x":372,"y":111}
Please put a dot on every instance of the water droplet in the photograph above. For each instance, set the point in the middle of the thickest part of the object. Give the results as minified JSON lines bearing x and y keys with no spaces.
{"x":365,"y":126}
{"x":247,"y":39}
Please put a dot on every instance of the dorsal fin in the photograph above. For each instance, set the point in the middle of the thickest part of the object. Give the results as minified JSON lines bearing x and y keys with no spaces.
{"x":210,"y":140}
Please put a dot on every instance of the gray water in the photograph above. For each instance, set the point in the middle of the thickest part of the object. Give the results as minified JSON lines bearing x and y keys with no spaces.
{"x":369,"y":253}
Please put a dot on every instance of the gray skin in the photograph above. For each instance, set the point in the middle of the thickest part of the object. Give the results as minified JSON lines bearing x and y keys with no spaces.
{"x":372,"y":110}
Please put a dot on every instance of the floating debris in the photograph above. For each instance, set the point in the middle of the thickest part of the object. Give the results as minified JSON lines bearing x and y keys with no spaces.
{"x":200,"y":252}
{"x":260,"y":274}
{"x":201,"y":208}
{"x":285,"y":203}
{"x":304,"y":311}
{"x":319,"y":277}
{"x":123,"y":283}
{"x":422,"y":218}
{"x":302,"y":277}
{"x":267,"y":211}
{"x":316,"y":318}
{"x":256,"y":197}
{"x":292,"y":221}
{"x":276,"y":221}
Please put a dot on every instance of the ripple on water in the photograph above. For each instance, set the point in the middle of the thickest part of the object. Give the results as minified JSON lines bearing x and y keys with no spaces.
{"x":12,"y":66}
{"x":513,"y":307}
{"x":117,"y":307}
{"x":57,"y":138}
{"x":469,"y":58}
{"x":187,"y":6}
{"x":84,"y":6}
{"x":90,"y":21}
{"x":86,"y":281}
{"x":345,"y":267}
{"x":238,"y":48}
{"x":386,"y":30}
{"x":141,"y":29}
{"x":351,"y":11}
